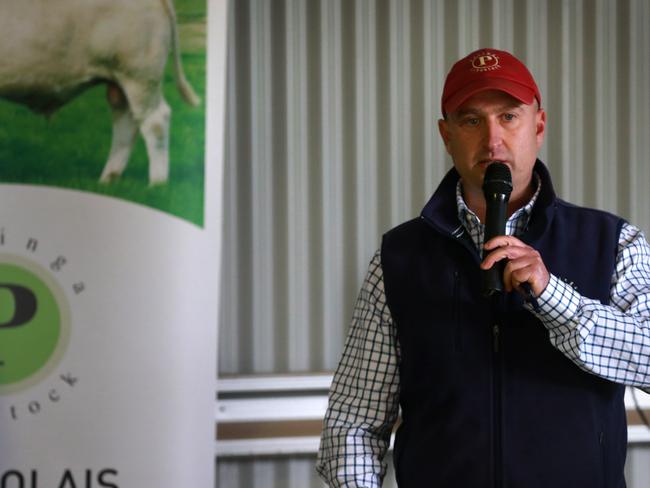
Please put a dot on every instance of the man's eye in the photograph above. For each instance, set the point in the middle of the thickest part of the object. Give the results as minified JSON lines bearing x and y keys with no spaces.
{"x":509,"y":117}
{"x":471,"y":122}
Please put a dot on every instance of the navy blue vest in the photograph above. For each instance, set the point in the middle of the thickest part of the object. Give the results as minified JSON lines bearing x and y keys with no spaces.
{"x":486,"y":400}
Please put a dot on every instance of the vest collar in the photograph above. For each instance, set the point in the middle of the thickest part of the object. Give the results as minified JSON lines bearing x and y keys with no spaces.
{"x":442,"y":214}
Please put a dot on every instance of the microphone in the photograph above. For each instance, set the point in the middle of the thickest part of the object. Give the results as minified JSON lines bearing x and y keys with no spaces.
{"x":497,"y":186}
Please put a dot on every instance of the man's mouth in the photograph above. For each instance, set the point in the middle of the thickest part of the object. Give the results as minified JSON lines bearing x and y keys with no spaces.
{"x":484,"y":163}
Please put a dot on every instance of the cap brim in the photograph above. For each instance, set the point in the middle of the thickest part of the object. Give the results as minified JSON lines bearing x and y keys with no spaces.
{"x":517,"y":90}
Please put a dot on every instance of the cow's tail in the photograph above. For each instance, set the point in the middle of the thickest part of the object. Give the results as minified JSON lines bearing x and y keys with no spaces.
{"x":184,"y":87}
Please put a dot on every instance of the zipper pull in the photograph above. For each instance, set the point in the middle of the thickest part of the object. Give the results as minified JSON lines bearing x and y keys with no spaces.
{"x":495,"y":336}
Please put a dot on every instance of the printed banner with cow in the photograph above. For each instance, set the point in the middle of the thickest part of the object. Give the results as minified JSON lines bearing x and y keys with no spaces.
{"x":110,"y":210}
{"x":106,"y":96}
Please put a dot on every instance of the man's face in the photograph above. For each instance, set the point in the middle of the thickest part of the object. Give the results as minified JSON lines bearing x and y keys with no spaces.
{"x":493,"y":126}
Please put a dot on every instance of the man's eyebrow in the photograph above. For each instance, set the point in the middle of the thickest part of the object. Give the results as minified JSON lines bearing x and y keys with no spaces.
{"x":466,"y":111}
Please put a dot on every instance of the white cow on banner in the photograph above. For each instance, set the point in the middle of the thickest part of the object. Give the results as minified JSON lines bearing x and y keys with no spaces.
{"x":52,"y":50}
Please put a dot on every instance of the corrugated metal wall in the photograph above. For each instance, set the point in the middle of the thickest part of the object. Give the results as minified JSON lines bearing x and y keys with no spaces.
{"x":332,"y":139}
{"x":298,"y":472}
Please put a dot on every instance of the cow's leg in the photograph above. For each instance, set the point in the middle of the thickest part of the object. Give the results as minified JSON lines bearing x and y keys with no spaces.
{"x":155,"y":131}
{"x":125,"y":130}
{"x":152,"y":114}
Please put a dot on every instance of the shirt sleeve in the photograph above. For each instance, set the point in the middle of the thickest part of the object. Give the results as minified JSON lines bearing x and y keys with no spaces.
{"x":364,"y":396}
{"x":611,"y":341}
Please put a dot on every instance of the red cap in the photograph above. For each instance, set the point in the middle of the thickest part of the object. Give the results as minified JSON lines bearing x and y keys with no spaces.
{"x":488,"y":69}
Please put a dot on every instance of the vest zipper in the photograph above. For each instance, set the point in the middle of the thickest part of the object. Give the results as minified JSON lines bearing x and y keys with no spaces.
{"x":496,"y":385}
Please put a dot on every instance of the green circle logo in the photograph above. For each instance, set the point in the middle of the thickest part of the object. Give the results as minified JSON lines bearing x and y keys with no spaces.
{"x":34,"y":323}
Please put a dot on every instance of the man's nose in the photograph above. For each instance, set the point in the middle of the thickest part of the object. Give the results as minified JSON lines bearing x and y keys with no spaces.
{"x":493,"y":134}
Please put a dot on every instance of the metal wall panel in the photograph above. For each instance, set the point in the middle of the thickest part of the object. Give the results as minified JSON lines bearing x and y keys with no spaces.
{"x":298,"y":471}
{"x":332,"y":139}
{"x":278,"y":472}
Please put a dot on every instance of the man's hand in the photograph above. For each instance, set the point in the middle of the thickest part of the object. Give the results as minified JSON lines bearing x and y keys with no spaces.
{"x":524,"y":263}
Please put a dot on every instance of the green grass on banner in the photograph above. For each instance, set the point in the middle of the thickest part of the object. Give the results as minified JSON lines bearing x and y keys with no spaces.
{"x":70,"y":148}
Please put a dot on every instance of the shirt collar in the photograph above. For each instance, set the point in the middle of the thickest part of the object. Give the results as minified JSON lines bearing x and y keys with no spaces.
{"x":515,"y":225}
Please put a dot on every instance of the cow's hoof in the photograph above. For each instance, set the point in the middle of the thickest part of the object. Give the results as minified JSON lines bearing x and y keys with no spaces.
{"x":109,"y":178}
{"x":155,"y":183}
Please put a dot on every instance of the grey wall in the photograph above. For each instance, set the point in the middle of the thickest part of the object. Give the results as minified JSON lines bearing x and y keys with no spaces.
{"x":298,"y":472}
{"x":332,"y":139}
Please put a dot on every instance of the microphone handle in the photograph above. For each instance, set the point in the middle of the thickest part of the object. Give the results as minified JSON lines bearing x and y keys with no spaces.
{"x":495,"y":225}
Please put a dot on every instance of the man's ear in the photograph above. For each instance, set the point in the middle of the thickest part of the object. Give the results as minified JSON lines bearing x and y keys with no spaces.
{"x":540,"y":126}
{"x":443,"y":128}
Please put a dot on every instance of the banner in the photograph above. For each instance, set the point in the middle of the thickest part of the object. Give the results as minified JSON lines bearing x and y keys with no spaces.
{"x":110,"y":221}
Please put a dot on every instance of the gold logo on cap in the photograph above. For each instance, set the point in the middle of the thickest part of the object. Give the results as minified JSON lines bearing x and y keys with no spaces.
{"x":485,"y":61}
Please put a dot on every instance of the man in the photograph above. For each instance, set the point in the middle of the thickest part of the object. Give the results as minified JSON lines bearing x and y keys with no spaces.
{"x":493,"y":391}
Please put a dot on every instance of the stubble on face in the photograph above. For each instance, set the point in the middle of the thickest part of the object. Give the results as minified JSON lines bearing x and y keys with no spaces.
{"x":493,"y":126}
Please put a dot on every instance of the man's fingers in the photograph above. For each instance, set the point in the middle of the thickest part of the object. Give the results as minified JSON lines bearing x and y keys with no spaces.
{"x":529,"y":269}
{"x":525,"y":264}
{"x":518,"y":271}
{"x":503,"y":241}
{"x":508,"y":252}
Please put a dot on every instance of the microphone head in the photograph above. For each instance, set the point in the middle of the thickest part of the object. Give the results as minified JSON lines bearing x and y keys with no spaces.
{"x":497,"y":180}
